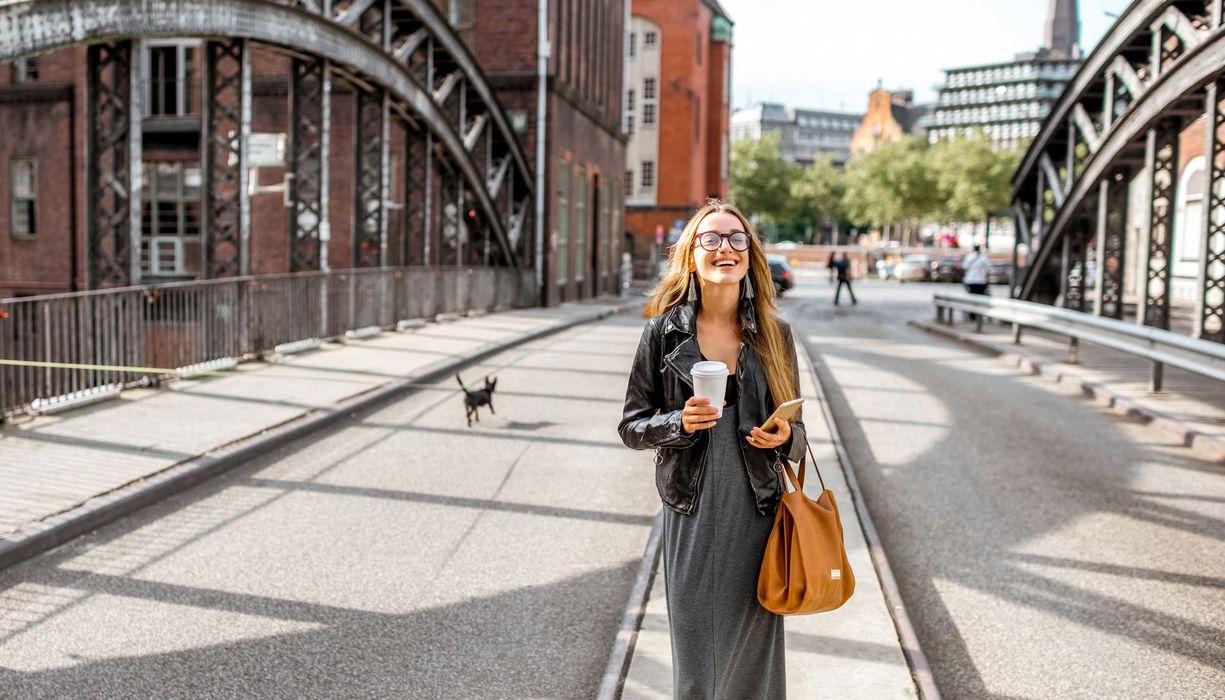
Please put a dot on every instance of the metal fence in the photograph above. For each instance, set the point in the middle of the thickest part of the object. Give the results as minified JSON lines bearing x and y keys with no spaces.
{"x":169,"y":326}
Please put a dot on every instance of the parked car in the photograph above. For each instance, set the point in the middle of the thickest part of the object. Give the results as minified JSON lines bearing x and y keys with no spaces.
{"x":781,"y":272}
{"x":1000,"y":272}
{"x":947,"y":269}
{"x":913,"y":268}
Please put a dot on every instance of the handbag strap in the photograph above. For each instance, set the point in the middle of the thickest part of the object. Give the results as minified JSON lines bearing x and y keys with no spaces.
{"x":798,"y":479}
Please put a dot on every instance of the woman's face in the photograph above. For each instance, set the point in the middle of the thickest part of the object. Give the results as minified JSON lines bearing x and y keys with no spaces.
{"x":725,"y":264}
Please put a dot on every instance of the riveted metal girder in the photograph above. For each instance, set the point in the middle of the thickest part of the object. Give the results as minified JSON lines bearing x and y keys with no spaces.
{"x":308,"y":28}
{"x":1210,"y":321}
{"x":310,"y":128}
{"x":1196,"y":67}
{"x":113,"y":184}
{"x":227,"y":126}
{"x":1163,"y":174}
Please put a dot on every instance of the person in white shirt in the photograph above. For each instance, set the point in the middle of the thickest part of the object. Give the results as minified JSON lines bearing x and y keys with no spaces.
{"x":976,"y":266}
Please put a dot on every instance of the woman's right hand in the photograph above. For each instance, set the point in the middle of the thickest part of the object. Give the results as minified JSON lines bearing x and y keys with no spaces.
{"x":698,"y":414}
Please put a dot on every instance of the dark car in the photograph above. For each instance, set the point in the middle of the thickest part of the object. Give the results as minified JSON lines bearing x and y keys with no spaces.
{"x":947,"y":269}
{"x":781,"y":272}
{"x":1000,"y":272}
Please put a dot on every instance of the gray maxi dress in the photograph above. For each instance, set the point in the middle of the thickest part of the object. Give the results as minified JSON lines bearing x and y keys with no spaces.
{"x":724,"y":644}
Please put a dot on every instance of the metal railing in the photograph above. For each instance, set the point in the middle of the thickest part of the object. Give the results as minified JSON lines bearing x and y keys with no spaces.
{"x":176,"y":325}
{"x":1160,"y":347}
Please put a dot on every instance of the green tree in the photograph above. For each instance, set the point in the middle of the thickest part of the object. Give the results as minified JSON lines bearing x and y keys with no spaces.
{"x":892,"y":185}
{"x":761,"y":179}
{"x":816,"y":196}
{"x":973,"y":179}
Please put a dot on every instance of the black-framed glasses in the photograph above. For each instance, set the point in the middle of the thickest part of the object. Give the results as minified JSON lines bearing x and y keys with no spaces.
{"x":713,"y":240}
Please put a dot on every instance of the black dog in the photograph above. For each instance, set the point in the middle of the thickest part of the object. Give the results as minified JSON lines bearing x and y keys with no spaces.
{"x":475,"y":399}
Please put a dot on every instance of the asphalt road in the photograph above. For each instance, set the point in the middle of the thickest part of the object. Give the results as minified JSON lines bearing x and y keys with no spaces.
{"x":1044,"y":547}
{"x":400,"y":554}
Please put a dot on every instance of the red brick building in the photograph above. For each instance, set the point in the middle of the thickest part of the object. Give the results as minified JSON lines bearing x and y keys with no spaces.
{"x":678,"y":92}
{"x":584,"y":146}
{"x":44,"y":120}
{"x":43,"y":115}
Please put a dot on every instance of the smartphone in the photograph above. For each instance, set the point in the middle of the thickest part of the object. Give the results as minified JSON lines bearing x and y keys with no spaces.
{"x":785,"y":411}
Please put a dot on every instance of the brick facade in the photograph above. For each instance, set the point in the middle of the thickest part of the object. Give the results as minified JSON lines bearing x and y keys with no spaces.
{"x":693,"y":115}
{"x":583,"y":127}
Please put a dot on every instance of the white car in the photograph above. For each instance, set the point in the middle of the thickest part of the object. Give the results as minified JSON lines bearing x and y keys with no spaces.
{"x":913,"y":268}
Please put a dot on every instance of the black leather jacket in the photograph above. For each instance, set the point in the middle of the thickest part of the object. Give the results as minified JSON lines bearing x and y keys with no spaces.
{"x":659,"y":385}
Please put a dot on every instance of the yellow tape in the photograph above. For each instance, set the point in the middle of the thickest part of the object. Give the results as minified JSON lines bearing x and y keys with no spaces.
{"x":163,"y":370}
{"x":104,"y":368}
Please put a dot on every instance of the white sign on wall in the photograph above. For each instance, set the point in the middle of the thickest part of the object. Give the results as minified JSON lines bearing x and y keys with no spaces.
{"x":266,"y":150}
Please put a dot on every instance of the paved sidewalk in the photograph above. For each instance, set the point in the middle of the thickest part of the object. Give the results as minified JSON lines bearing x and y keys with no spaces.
{"x":1189,"y":408}
{"x":852,"y":652}
{"x":68,"y":473}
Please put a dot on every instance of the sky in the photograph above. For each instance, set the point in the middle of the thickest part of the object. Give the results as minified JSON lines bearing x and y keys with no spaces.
{"x":828,"y":54}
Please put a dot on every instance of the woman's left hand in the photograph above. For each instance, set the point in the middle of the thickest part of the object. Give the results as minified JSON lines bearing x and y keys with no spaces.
{"x":769,"y":441}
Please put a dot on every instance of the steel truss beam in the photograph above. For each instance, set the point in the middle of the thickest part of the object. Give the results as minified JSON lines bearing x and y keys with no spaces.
{"x":227,"y":128}
{"x":417,"y":185}
{"x":1186,"y":76}
{"x":370,"y":227}
{"x":310,"y":117}
{"x":451,"y":225}
{"x":1210,"y":321}
{"x":114,"y":149}
{"x":1163,"y":174}
{"x":1111,"y":243}
{"x":313,"y":33}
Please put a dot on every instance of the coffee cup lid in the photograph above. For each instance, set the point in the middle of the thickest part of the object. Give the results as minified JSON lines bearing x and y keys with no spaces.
{"x":709,"y":369}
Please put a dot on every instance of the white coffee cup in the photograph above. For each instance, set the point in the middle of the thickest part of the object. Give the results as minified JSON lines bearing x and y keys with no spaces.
{"x":710,"y":381}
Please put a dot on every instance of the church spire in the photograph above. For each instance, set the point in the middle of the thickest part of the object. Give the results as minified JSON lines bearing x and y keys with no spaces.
{"x":1063,"y":28}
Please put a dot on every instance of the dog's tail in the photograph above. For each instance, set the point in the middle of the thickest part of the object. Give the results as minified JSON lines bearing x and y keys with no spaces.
{"x":461,"y":383}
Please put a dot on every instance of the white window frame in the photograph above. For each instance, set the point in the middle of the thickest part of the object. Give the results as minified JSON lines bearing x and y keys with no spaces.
{"x":15,"y":199}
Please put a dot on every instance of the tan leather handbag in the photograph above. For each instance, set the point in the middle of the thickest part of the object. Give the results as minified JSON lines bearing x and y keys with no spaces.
{"x":804,"y":569}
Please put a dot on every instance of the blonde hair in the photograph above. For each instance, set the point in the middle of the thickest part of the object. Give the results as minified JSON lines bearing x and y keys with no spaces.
{"x":673,"y":290}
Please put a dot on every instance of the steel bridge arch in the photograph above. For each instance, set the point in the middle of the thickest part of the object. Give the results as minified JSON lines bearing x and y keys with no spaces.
{"x":414,"y":41}
{"x":1160,"y":67}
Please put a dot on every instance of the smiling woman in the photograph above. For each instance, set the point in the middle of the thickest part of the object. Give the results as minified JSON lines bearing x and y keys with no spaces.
{"x":717,"y":474}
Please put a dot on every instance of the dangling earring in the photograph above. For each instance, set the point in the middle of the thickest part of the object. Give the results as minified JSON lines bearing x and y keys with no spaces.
{"x":693,"y":287}
{"x":746,"y":290}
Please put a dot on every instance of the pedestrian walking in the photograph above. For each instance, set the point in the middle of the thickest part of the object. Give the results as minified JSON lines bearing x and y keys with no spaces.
{"x":843,"y":267}
{"x":716,"y":475}
{"x":977,"y":267}
{"x":829,"y":265}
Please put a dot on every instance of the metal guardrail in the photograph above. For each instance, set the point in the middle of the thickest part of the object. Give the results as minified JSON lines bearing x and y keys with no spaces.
{"x":182,"y":324}
{"x":1160,"y":347}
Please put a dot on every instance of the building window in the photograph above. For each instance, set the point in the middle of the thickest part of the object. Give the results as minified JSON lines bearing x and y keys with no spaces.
{"x":25,"y":70}
{"x":629,"y":183}
{"x":629,"y":125}
{"x":648,"y":174}
{"x":629,"y":100}
{"x":650,"y":40}
{"x":461,"y":13}
{"x":23,"y":196}
{"x":563,"y":221}
{"x":580,"y":225}
{"x":170,"y":73}
{"x":633,"y":44}
{"x":170,"y":219}
{"x":648,"y":114}
{"x":648,"y":89}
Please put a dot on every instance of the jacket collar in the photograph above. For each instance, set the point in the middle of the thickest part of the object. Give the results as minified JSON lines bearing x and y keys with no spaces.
{"x":681,"y":318}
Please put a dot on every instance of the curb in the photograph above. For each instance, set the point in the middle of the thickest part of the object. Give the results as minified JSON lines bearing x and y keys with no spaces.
{"x":1209,"y":447}
{"x":627,"y":637}
{"x":919,"y":668}
{"x":101,"y":510}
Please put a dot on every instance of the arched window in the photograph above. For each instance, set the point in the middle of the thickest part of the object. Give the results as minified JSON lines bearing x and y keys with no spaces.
{"x":1189,"y":216}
